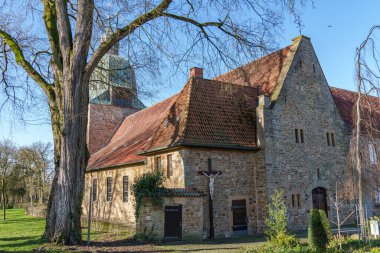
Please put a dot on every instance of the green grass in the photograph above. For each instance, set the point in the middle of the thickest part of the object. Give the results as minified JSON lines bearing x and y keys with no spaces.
{"x":20,"y":232}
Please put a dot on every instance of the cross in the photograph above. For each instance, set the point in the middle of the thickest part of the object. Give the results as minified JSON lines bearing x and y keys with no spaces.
{"x":211,"y":177}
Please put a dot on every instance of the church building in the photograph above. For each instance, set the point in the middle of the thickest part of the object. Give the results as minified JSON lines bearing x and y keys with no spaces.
{"x":224,"y":145}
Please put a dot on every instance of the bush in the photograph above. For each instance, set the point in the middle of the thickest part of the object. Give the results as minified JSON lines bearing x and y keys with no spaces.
{"x":319,"y":232}
{"x":272,"y":249}
{"x":276,"y":223}
{"x":149,"y":185}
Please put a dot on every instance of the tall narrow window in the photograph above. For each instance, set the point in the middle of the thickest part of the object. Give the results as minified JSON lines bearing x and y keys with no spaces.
{"x":296,"y":135}
{"x":125,"y":188}
{"x":296,"y":200}
{"x":169,"y":166}
{"x":313,"y":68}
{"x":109,"y":188}
{"x":94,"y":189}
{"x":301,"y":136}
{"x":319,"y":173}
{"x":328,"y":139}
{"x":372,"y":153}
{"x":377,"y":197}
{"x":332,"y":135}
{"x":158,"y":163}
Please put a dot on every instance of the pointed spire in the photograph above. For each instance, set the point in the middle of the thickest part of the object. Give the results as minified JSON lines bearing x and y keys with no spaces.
{"x":106,"y":35}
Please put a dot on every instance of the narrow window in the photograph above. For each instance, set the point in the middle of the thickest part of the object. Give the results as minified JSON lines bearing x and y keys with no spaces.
{"x":169,"y":166}
{"x":328,"y":139}
{"x":377,"y":197}
{"x":332,"y":139}
{"x":296,"y":200}
{"x":296,"y":135}
{"x":158,"y":163}
{"x":109,"y":188}
{"x":301,"y":135}
{"x":300,"y":64}
{"x":313,"y":68}
{"x":94,"y":189}
{"x":372,"y":153}
{"x":319,"y":173}
{"x":125,"y":188}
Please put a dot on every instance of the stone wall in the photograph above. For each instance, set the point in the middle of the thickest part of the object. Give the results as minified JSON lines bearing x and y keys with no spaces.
{"x":242,"y":178}
{"x":152,"y":219}
{"x":116,"y":210}
{"x":305,"y":102}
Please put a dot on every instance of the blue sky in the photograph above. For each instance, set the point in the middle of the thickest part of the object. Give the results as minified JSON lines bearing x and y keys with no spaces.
{"x":335,"y":27}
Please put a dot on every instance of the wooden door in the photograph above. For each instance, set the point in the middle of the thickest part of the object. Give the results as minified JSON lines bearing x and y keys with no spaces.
{"x":173,"y":223}
{"x":319,"y":199}
{"x":239,"y":215}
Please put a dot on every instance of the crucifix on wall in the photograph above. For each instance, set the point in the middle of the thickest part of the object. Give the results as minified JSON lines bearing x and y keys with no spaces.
{"x":211,"y":175}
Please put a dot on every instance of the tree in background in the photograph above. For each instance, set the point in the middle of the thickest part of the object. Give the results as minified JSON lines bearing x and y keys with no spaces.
{"x":61,"y":56}
{"x":7,"y":164}
{"x":366,"y":120}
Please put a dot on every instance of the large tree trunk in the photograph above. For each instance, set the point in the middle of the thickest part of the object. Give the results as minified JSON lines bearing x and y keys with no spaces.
{"x":4,"y":200}
{"x":64,"y":208}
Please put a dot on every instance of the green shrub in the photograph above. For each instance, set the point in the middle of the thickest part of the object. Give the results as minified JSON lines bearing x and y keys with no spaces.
{"x":272,"y":249}
{"x":319,"y":231}
{"x":150,"y":186}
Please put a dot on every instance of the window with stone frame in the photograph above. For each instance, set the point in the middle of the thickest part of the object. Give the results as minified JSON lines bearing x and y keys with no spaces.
{"x":296,"y":198}
{"x":109,"y":188}
{"x":169,"y":165}
{"x":377,"y":197}
{"x":299,"y":136}
{"x":125,"y":188}
{"x":330,"y":137}
{"x":372,"y":153}
{"x":94,"y":189}
{"x":158,"y":163}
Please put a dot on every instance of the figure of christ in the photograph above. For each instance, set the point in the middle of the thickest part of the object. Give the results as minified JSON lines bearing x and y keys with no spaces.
{"x":211,"y":183}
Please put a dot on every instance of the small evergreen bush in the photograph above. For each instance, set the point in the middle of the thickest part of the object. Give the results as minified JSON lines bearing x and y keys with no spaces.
{"x":319,"y":232}
{"x":276,"y":223}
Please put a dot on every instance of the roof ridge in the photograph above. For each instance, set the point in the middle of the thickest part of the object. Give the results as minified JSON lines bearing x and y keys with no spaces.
{"x":278,"y":87}
{"x":251,"y":62}
{"x":186,"y":120}
{"x":149,"y":144}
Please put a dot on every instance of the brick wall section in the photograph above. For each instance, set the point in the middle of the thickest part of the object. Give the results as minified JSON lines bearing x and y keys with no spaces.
{"x":151,"y":220}
{"x":242,"y":178}
{"x":305,"y":102}
{"x":103,"y":122}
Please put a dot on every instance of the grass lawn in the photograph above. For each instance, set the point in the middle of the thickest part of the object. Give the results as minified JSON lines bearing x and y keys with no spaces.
{"x":20,"y":232}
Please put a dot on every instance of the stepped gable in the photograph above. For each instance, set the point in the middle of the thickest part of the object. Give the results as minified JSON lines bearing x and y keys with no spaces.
{"x":345,"y":101}
{"x":206,"y":113}
{"x":263,"y":73}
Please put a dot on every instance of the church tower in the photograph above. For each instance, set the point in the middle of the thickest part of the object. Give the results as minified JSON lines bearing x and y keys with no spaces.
{"x":113,"y":96}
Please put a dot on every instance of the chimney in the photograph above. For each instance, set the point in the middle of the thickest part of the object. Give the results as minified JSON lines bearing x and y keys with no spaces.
{"x":196,"y":72}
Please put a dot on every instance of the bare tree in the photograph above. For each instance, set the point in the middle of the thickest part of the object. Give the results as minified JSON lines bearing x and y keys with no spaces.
{"x":366,"y":112}
{"x":61,"y":58}
{"x":7,"y":154}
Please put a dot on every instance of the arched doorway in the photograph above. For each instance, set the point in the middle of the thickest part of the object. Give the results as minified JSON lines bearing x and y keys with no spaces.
{"x":319,"y":199}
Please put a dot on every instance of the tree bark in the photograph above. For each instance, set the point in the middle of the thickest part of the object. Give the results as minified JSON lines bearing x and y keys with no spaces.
{"x":4,"y":200}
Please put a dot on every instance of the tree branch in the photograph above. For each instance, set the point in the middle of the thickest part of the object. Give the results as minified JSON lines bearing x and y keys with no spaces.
{"x":125,"y":31}
{"x":22,"y":62}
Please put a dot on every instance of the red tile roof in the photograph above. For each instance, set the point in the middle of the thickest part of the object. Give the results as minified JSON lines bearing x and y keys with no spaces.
{"x":209,"y":113}
{"x":205,"y":113}
{"x":345,"y":101}
{"x":262,"y":73}
{"x":131,"y":137}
